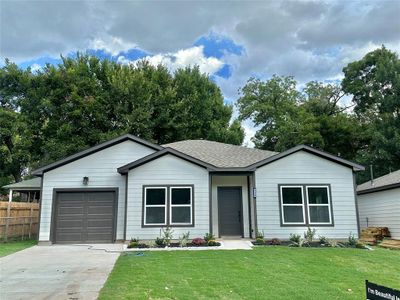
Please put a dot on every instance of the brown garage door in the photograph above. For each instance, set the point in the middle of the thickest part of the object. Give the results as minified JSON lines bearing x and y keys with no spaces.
{"x":84,"y":217}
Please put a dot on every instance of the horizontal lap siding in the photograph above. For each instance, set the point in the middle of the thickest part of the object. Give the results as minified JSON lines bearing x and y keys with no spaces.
{"x":382,"y":209}
{"x":101,"y":168}
{"x":304,"y":168}
{"x":167,"y":170}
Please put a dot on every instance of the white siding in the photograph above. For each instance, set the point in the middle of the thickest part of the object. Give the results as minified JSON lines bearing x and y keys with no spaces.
{"x":304,"y":168}
{"x":382,"y":210}
{"x":168,"y":170}
{"x":101,"y":168}
{"x":230,"y":181}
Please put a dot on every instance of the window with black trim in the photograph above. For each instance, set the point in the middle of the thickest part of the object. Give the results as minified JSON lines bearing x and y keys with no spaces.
{"x":180,"y":206}
{"x":168,"y":205}
{"x":318,"y":202}
{"x":305,"y":205}
{"x":155,"y":206}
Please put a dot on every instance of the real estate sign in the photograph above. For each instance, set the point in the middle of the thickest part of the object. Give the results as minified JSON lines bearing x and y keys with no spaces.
{"x":379,"y":292}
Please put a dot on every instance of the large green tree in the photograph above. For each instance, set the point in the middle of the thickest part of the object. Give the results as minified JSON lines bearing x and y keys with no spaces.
{"x":287,"y":117}
{"x":374,"y":83}
{"x":84,"y":100}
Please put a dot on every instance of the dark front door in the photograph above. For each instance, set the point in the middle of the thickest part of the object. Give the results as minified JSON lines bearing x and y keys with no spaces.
{"x":230,"y":211}
{"x":82,"y":217}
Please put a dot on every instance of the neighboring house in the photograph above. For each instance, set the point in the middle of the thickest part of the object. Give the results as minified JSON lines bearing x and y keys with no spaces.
{"x":127,"y":188}
{"x":29,"y":190}
{"x":379,"y":203}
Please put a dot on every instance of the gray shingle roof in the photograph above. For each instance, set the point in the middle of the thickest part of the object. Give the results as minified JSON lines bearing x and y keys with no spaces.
{"x":388,"y":180}
{"x":219,"y":154}
{"x":30,"y":184}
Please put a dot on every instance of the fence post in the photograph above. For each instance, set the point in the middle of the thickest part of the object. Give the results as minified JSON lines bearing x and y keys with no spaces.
{"x":7,"y":220}
{"x":23,"y":227}
{"x":30,"y":221}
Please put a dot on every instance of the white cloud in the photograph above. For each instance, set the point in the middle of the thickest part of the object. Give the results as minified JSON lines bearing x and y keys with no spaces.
{"x":111,"y":44}
{"x":183,"y":58}
{"x":36,"y":67}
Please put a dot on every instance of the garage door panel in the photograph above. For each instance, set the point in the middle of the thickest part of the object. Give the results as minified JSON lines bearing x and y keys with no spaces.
{"x":85,"y":217}
{"x":70,"y":211}
{"x":69,"y":224}
{"x":100,"y":210}
{"x":95,"y":237}
{"x":100,"y":220}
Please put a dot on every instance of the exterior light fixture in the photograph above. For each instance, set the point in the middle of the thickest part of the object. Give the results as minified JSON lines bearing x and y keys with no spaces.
{"x":254,"y":192}
{"x":85,"y":180}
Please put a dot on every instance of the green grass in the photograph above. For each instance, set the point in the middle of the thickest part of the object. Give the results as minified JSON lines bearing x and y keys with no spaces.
{"x":14,"y":246}
{"x":264,"y":273}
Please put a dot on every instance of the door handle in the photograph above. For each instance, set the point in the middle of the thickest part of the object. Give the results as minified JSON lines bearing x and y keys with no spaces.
{"x":239,"y":216}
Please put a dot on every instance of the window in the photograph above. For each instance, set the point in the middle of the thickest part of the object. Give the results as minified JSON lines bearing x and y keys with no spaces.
{"x":181,"y":205}
{"x":155,"y":203}
{"x":168,"y":206}
{"x":305,"y":205}
{"x":292,"y":205}
{"x":319,"y":208}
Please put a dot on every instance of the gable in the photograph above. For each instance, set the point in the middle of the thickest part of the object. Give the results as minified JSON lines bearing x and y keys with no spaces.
{"x":98,"y":148}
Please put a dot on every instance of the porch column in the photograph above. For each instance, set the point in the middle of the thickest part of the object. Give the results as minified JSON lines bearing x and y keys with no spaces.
{"x":10,"y":195}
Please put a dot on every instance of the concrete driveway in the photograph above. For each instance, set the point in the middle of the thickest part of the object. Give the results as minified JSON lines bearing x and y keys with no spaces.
{"x":55,"y":272}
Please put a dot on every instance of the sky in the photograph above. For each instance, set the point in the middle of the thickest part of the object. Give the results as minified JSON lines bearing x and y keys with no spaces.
{"x":229,"y":40}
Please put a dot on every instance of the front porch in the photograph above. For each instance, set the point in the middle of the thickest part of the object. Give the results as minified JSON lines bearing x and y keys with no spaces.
{"x":232,"y":205}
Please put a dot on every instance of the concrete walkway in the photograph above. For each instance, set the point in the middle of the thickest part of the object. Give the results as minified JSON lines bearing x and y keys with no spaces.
{"x":55,"y":272}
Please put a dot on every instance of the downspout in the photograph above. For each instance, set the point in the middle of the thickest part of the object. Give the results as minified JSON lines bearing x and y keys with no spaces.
{"x":356,"y":204}
{"x":126,"y":205}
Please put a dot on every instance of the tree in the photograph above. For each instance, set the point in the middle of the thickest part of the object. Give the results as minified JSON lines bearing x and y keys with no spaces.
{"x":84,"y":101}
{"x":14,"y":147}
{"x":287,"y":117}
{"x":270,"y":105}
{"x":374,"y":82}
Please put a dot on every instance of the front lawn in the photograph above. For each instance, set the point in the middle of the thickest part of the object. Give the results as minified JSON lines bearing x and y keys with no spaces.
{"x":263,"y":273}
{"x":14,"y":246}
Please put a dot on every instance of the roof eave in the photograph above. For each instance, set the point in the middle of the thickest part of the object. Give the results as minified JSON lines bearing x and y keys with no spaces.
{"x":379,"y":189}
{"x":126,"y":168}
{"x":355,"y":167}
{"x":39,"y":172}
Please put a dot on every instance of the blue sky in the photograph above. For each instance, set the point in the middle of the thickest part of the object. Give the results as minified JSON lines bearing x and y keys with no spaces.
{"x":231,"y":41}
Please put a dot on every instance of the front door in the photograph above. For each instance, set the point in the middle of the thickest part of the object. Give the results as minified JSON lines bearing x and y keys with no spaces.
{"x":230,"y":211}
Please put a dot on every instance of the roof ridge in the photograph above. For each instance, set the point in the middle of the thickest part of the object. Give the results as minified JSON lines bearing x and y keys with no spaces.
{"x":221,"y":143}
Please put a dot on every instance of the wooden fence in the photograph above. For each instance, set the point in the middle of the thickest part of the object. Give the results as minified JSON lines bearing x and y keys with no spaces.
{"x":18,"y":220}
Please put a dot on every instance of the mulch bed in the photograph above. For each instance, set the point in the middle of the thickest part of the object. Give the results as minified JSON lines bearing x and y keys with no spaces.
{"x":289,"y":243}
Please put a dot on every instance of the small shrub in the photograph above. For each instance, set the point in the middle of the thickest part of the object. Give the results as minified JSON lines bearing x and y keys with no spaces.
{"x":301,"y":243}
{"x":167,"y":233}
{"x":134,"y":243}
{"x":309,"y":234}
{"x":184,"y":239}
{"x":198,"y":242}
{"x":208,"y":237}
{"x":213,"y":243}
{"x":260,"y":235}
{"x":160,"y":242}
{"x":275,"y":241}
{"x":336,"y":244}
{"x":323,"y":240}
{"x":259,"y":241}
{"x":294,"y":238}
{"x":352,"y":241}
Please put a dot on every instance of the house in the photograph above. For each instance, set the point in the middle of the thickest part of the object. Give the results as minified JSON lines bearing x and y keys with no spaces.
{"x":128,"y":187}
{"x":29,"y":190}
{"x":379,"y":203}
